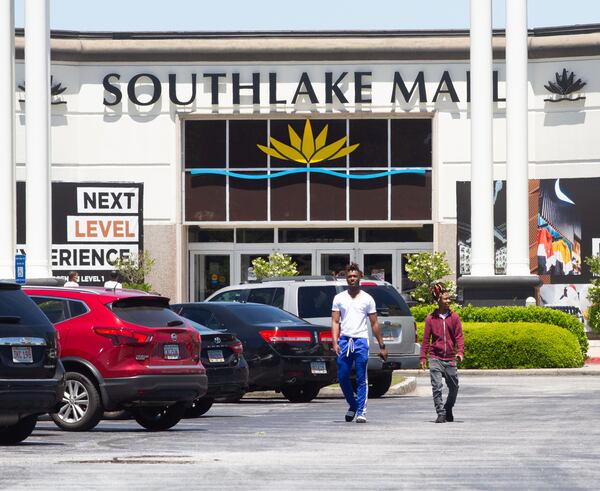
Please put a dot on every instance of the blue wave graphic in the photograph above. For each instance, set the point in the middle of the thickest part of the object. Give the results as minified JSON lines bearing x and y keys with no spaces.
{"x":308,"y":170}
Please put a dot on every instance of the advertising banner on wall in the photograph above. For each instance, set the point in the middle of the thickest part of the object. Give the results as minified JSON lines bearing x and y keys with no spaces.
{"x":93,"y":224}
{"x":563,"y":230}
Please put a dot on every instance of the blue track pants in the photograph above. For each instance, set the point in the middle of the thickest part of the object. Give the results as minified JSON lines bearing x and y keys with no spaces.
{"x":354,"y":351}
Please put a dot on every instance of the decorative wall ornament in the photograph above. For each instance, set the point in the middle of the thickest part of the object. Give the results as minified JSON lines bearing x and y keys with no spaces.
{"x":56,"y":89}
{"x":308,"y":150}
{"x":565,"y":88}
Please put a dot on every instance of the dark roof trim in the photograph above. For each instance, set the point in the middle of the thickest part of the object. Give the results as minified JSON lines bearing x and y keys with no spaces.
{"x":274,"y":46}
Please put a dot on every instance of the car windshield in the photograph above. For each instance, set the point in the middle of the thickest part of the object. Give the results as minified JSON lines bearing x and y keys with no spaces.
{"x":149,"y":312}
{"x":263,"y":314}
{"x":387,"y":300}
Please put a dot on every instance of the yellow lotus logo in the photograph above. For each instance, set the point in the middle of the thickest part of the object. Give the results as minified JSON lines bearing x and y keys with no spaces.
{"x":308,"y":150}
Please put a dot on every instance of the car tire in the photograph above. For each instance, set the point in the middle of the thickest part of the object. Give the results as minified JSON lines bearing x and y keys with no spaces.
{"x":300,"y":392}
{"x":379,"y":385}
{"x":11,"y":435}
{"x":199,"y":407}
{"x":81,"y":407}
{"x":159,"y":418}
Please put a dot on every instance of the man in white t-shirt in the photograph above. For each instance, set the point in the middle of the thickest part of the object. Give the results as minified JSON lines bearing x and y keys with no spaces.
{"x":113,"y":283}
{"x":352,"y":310}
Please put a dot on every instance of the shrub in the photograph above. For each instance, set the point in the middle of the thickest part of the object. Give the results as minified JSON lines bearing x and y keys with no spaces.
{"x":277,"y":264}
{"x":518,"y":345}
{"x":134,"y":269}
{"x":540,"y":315}
{"x":594,"y":317}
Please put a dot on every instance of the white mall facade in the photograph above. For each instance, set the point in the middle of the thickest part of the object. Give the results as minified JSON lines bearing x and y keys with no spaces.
{"x":174,"y":119}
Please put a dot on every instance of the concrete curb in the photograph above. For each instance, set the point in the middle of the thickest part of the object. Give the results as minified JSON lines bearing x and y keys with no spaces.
{"x":404,"y":387}
{"x":527,"y":372}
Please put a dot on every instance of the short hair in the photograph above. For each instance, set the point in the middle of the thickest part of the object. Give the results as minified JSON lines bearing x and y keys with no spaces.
{"x":114,"y":275}
{"x":437,"y":290}
{"x":72,"y":275}
{"x":353,"y":267}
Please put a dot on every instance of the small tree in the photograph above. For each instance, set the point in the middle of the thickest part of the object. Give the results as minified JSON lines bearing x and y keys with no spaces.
{"x":426,"y":268}
{"x":134,"y":269}
{"x":594,"y":293}
{"x":277,"y":264}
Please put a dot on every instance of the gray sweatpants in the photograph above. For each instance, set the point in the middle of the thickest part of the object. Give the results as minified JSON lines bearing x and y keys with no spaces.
{"x":438,"y":370}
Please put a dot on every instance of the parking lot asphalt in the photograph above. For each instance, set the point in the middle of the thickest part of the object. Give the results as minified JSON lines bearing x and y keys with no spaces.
{"x":510,"y":433}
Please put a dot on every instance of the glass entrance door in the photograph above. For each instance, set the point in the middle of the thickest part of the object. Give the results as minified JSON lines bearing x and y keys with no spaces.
{"x":209,"y":272}
{"x":332,"y":263}
{"x":381,"y":266}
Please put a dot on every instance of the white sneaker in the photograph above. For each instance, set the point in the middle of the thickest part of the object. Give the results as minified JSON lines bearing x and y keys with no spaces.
{"x":361,"y":419}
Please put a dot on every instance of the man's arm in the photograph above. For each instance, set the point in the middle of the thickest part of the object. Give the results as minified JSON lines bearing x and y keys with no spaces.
{"x":335,"y":330}
{"x":460,"y":340}
{"x":377,"y":333}
{"x":425,"y":343}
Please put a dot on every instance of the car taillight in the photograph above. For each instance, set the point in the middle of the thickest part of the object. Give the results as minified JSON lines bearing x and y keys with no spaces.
{"x":285,"y":336}
{"x":237,"y":348}
{"x":325,"y":337}
{"x":54,"y":351}
{"x":121,"y":335}
{"x":368,"y":283}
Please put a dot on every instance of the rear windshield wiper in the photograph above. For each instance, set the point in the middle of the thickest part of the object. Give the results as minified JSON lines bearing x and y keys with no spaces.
{"x":174,"y":323}
{"x":10,"y":319}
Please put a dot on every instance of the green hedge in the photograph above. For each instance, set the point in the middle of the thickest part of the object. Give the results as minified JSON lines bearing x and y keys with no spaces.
{"x":518,"y":345}
{"x":542,"y":315}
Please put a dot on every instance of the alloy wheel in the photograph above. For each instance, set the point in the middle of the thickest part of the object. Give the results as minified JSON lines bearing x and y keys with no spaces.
{"x":76,"y":402}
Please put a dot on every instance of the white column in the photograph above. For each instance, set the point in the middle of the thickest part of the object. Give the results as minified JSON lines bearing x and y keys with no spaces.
{"x":7,"y":154}
{"x":37,"y":132}
{"x":517,"y":189}
{"x":482,"y":206}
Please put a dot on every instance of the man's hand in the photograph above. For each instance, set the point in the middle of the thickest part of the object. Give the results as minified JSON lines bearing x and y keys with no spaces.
{"x":383,"y":354}
{"x":423,"y":364}
{"x":336,"y":348}
{"x":459,"y":358}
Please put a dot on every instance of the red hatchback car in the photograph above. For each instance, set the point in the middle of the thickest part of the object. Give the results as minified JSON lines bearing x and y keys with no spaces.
{"x":122,"y":349}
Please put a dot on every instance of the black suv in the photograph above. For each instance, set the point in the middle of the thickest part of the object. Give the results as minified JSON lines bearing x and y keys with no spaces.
{"x":31,"y":374}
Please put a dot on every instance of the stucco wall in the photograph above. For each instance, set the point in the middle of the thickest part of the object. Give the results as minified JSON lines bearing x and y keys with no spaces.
{"x":160,"y":242}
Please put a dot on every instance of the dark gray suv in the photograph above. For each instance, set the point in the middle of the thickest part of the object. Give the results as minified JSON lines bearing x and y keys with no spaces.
{"x":311,"y":297}
{"x":31,"y":374}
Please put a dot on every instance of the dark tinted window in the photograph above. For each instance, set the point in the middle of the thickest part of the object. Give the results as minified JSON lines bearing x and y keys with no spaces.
{"x":253,"y":235}
{"x":56,"y":309}
{"x":268,"y":296}
{"x":16,"y":307}
{"x":315,"y":301}
{"x":149,"y":312}
{"x":201,"y":316}
{"x":263,"y":314}
{"x":387,"y":300}
{"x":230,"y":296}
{"x":77,"y":308}
{"x":196,"y":234}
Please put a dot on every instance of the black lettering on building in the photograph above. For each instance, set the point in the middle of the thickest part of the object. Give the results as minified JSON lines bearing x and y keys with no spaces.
{"x":407,"y":94}
{"x":308,"y":89}
{"x":156,"y":91}
{"x":173,"y":90}
{"x":446,"y":81}
{"x":359,"y":86}
{"x":214,"y":86}
{"x":333,"y":88}
{"x":254,"y":87}
{"x":112,"y":89}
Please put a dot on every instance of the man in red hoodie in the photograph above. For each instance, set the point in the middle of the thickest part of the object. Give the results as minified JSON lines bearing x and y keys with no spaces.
{"x":443,"y":341}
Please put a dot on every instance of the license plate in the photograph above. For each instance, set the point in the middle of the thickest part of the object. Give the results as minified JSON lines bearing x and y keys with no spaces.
{"x":22,"y":354}
{"x":388,"y":335}
{"x":215,"y":356}
{"x":171,"y":351}
{"x":318,"y":367}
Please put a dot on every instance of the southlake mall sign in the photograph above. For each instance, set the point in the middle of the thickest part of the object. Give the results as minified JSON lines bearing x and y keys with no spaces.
{"x":145,"y":89}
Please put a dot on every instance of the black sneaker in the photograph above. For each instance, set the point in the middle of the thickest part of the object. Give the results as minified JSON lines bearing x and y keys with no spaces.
{"x":441,"y":418}
{"x":350,"y":415}
{"x":449,"y":415}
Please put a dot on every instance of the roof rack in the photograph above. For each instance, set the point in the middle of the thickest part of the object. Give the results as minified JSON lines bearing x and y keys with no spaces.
{"x":327,"y":277}
{"x":61,"y":288}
